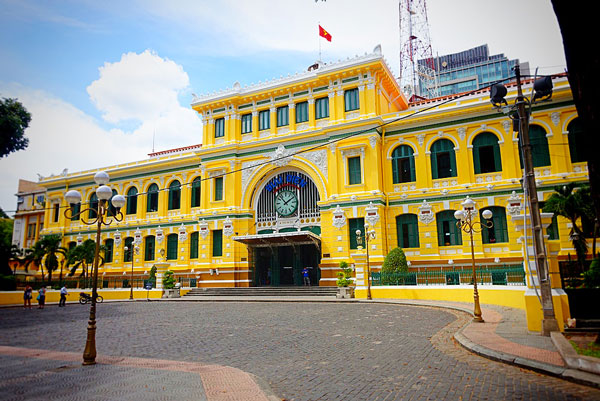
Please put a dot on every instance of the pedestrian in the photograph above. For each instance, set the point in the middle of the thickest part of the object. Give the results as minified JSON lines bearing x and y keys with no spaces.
{"x":27,"y":296}
{"x":63,"y":296}
{"x":41,"y":298}
{"x":305,"y":276}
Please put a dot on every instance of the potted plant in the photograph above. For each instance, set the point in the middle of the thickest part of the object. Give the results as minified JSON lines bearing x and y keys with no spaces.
{"x":344,"y":281}
{"x":169,"y":288}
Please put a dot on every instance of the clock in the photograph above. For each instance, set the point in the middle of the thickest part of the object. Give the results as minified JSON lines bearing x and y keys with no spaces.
{"x":286,"y":203}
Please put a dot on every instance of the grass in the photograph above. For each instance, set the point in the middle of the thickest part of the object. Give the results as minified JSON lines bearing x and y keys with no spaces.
{"x":591,"y":349}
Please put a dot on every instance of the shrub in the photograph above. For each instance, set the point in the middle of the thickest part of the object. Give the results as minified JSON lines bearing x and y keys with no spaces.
{"x":591,"y":278}
{"x":168,"y":280}
{"x":345,"y":276}
{"x":394,"y":267}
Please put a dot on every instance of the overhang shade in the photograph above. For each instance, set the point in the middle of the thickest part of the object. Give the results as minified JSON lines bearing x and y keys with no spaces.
{"x":280,"y":239}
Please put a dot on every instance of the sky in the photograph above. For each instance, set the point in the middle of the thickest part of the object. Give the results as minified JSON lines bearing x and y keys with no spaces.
{"x":104,"y":80}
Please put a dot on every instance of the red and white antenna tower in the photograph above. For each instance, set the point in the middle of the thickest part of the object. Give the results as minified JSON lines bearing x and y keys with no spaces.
{"x":417,"y":79}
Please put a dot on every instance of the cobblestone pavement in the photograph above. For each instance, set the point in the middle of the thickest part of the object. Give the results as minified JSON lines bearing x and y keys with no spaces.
{"x":304,"y":351}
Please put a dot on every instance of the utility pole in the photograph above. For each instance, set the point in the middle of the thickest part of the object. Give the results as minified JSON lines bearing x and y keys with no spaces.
{"x":549,"y":322}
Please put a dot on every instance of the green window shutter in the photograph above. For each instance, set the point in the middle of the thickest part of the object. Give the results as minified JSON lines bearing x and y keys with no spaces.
{"x":576,"y":137}
{"x":246,"y":123}
{"x":302,"y":112}
{"x":485,"y":141}
{"x":351,"y":99}
{"x":407,"y":229}
{"x":108,"y":250}
{"x":434,"y":168}
{"x":552,"y":229}
{"x":322,"y":108}
{"x":476,"y":163}
{"x":395,"y":170}
{"x":499,"y":228}
{"x":354,"y":173}
{"x":132,"y":200}
{"x":149,"y":247}
{"x":446,"y":224}
{"x":454,"y":172}
{"x":264,"y":120}
{"x":438,"y":148}
{"x":152,"y":198}
{"x":92,"y":213}
{"x":76,"y":208}
{"x":283,"y":114}
{"x":539,"y":146}
{"x":196,"y":186}
{"x":217,"y":243}
{"x":353,"y":225}
{"x":219,"y":127}
{"x":399,"y":155}
{"x":174,"y":195}
{"x":128,"y":254}
{"x":218,"y":188}
{"x":194,"y":245}
{"x":172,"y":247}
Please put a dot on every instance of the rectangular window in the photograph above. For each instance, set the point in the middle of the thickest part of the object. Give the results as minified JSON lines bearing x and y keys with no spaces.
{"x":149,"y":248}
{"x":56,"y":212}
{"x":351,"y":99}
{"x":217,"y":243}
{"x":322,"y":108}
{"x":194,"y":245}
{"x":353,"y":225}
{"x":283,"y":116}
{"x":264,"y":120}
{"x":302,"y":112}
{"x":219,"y":127}
{"x":246,"y":123}
{"x":354,"y":173}
{"x":218,"y":188}
{"x":31,"y":230}
{"x":108,"y":250}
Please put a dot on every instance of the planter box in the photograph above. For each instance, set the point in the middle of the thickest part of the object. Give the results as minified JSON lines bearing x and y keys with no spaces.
{"x":345,"y":292}
{"x":171,"y":293}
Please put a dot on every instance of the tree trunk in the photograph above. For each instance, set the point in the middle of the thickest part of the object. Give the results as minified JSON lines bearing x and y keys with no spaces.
{"x":578,"y":23}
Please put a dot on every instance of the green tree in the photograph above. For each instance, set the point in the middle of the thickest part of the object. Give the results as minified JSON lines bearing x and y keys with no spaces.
{"x":14,"y":119}
{"x":168,"y":280}
{"x":52,"y":251}
{"x":82,"y":257}
{"x":569,"y":204}
{"x":34,"y":256}
{"x":7,"y":249}
{"x":345,"y":276}
{"x":394,"y":266}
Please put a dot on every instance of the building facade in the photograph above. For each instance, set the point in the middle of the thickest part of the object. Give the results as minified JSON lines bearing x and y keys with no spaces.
{"x":471,"y":69}
{"x":290,"y":169}
{"x":29,"y":217}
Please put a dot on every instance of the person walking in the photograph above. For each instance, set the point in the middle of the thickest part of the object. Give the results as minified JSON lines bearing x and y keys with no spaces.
{"x":63,"y":296}
{"x":27,"y":296}
{"x":41,"y":298}
{"x":305,"y":276}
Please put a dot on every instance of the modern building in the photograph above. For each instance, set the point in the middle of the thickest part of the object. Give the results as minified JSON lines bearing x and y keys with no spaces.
{"x":471,"y":69}
{"x":29,"y":217}
{"x":290,"y":169}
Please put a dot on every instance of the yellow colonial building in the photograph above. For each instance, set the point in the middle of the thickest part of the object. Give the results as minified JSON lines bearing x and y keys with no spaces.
{"x":290,"y":169}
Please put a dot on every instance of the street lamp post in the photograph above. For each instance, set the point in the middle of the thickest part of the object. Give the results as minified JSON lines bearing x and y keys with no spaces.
{"x":466,"y":224}
{"x":133,"y":251}
{"x":104,"y":194}
{"x":368,"y":235}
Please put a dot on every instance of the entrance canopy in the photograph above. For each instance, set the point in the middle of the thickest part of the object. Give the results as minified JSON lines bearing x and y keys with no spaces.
{"x":280,"y":239}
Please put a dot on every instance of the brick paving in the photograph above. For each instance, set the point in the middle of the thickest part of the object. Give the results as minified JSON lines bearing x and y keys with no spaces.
{"x":303,"y":351}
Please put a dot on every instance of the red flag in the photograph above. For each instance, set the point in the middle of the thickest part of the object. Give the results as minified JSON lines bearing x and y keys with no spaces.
{"x":324,"y":33}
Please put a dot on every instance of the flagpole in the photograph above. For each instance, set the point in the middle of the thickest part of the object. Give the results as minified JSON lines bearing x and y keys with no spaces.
{"x":319,"y":41}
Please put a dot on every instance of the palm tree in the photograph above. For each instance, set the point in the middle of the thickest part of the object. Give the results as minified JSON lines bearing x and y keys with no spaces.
{"x":570,"y":205}
{"x":82,"y":256}
{"x":52,"y":249}
{"x":34,"y":255}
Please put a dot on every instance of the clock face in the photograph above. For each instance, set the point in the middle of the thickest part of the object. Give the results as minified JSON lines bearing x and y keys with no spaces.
{"x":286,"y":203}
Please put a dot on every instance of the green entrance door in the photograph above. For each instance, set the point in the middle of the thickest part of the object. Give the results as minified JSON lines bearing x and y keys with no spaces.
{"x":282,"y":265}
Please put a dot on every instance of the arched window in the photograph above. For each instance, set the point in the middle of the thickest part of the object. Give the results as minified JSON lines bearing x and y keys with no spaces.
{"x":174,"y":195}
{"x":92,"y":214}
{"x":498,"y":232}
{"x":149,"y":248}
{"x":194,"y":245}
{"x":196,"y":192}
{"x":407,"y":227}
{"x":448,"y":233}
{"x":112,"y":210}
{"x":132,"y":200}
{"x":403,"y":164}
{"x":539,"y":147}
{"x":128,"y":254}
{"x":443,"y":159}
{"x":108,"y":250}
{"x":486,"y":153}
{"x":152,"y":198}
{"x":172,"y":247}
{"x":577,"y":141}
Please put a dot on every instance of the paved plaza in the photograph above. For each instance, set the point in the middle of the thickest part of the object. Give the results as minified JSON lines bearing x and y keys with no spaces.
{"x":294,"y":351}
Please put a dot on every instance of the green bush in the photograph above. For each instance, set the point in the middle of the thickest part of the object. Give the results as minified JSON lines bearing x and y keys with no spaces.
{"x":7,"y":283}
{"x":168,"y":280}
{"x":345,"y":276}
{"x":394,"y":267}
{"x":591,"y":278}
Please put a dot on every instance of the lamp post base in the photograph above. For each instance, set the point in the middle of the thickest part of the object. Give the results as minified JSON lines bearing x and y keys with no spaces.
{"x":548,"y":326}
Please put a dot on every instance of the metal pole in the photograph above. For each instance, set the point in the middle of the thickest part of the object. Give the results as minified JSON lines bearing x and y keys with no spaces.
{"x":89,"y":353}
{"x":549,"y":322}
{"x":131,"y":285}
{"x":477,"y":308}
{"x":368,"y":266}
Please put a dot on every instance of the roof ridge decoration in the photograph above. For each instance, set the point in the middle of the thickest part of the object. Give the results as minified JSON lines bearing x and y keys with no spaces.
{"x":238,"y":89}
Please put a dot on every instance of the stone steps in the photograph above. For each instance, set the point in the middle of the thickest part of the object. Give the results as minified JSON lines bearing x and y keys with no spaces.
{"x":265,"y":291}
